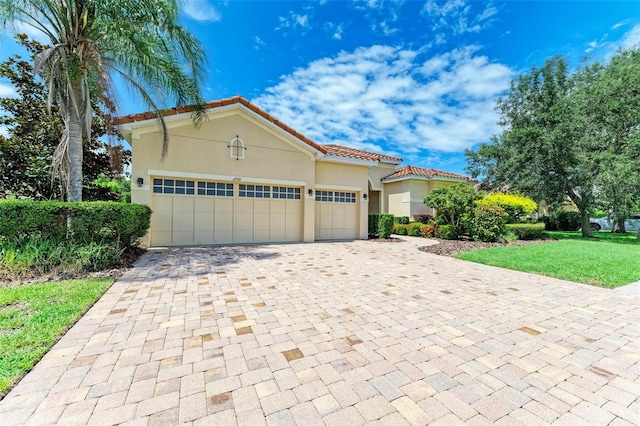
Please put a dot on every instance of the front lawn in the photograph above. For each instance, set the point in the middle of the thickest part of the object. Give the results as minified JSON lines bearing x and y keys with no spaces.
{"x":33,"y":318}
{"x":610,"y":260}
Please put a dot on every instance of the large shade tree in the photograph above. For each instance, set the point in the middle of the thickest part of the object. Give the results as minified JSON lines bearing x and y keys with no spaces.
{"x":93,"y":43}
{"x":610,"y":106}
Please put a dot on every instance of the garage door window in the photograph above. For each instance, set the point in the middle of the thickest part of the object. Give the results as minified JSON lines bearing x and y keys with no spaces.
{"x":173,"y":186}
{"x":336,"y":197}
{"x":285,"y":192}
{"x":255,"y":191}
{"x":218,"y":189}
{"x":324,"y":195}
{"x":345,"y":197}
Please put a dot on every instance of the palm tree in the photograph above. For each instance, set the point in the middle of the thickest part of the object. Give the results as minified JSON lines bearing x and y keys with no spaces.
{"x":93,"y":42}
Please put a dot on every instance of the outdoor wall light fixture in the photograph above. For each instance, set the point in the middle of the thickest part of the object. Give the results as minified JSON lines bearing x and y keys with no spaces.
{"x":310,"y":192}
{"x":140,"y":181}
{"x":365,"y":196}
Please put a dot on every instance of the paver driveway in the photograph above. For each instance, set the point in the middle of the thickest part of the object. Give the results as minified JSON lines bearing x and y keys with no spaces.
{"x":339,"y":333}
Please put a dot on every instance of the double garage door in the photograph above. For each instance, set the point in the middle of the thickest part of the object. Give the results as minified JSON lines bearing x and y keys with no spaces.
{"x":191,"y":212}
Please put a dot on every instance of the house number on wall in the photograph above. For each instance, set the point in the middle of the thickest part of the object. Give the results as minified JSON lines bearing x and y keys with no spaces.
{"x":237,"y":179}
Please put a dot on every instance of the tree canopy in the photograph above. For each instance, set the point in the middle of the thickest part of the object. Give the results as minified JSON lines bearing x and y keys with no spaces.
{"x":139,"y":42}
{"x":567,"y":136}
{"x":33,"y":135}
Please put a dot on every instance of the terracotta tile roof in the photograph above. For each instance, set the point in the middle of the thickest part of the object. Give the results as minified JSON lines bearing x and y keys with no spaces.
{"x":331,"y":149}
{"x":343,"y":151}
{"x":221,"y":102}
{"x":413,"y":171}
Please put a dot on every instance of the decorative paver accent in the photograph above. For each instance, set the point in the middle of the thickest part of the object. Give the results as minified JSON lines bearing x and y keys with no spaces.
{"x":339,"y":333}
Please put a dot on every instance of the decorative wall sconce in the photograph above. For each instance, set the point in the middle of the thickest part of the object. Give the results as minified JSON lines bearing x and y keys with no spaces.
{"x":365,"y":196}
{"x":140,"y":181}
{"x":310,"y":192}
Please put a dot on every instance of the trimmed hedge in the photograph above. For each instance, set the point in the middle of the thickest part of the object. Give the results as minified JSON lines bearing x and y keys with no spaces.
{"x":373,"y":224}
{"x":403,"y":220}
{"x":446,"y":232}
{"x":488,"y":222}
{"x":385,"y":225}
{"x":428,"y":230}
{"x":400,"y":229}
{"x":527,"y":231}
{"x":119,"y":225}
{"x":413,"y":229}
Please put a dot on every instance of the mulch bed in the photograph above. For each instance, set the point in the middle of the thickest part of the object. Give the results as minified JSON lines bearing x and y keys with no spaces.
{"x":451,"y":247}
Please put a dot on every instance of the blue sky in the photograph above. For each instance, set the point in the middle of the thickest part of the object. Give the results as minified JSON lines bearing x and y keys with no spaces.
{"x":417,"y":79}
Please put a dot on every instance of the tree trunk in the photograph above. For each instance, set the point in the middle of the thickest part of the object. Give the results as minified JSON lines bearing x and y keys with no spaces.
{"x":74,"y":149}
{"x":618,"y":226}
{"x":584,"y":214}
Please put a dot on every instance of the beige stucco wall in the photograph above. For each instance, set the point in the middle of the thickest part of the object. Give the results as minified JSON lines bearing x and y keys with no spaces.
{"x":398,"y":198}
{"x":269,"y":157}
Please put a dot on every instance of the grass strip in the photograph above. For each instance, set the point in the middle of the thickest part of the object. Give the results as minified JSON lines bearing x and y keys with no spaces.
{"x":609,"y":260}
{"x":33,"y":318}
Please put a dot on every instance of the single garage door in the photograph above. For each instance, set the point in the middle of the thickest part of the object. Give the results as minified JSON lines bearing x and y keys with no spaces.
{"x":336,"y":215}
{"x":192,"y":212}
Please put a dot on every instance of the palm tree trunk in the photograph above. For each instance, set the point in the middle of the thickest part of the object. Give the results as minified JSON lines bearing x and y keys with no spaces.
{"x":74,"y":149}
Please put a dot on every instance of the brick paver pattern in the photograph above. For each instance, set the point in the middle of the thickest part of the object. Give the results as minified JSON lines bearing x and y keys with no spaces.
{"x":341,"y":333}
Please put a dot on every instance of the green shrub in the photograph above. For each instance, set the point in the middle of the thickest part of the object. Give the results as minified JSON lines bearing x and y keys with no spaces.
{"x":413,"y":229}
{"x":527,"y":231}
{"x":516,"y":206}
{"x":488,"y":222}
{"x":446,"y":232}
{"x":117,"y":225}
{"x":385,"y":225}
{"x":428,"y":230}
{"x":399,"y":229}
{"x":403,"y":220}
{"x":423,"y":218}
{"x":373,"y":224}
{"x":563,"y":220}
{"x":453,"y":204}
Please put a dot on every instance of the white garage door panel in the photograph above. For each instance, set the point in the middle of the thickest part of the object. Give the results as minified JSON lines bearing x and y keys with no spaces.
{"x":223,"y":220}
{"x":293,"y":221}
{"x":336,"y":215}
{"x":277,"y":221}
{"x":204,"y":220}
{"x":195,"y":212}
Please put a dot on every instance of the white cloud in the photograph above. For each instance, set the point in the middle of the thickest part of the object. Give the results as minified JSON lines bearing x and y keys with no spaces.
{"x":457,"y":17}
{"x":391,"y":97}
{"x":7,"y":91}
{"x":293,"y":20}
{"x":33,"y":33}
{"x":620,"y":24}
{"x":201,"y":10}
{"x":631,"y":38}
{"x":258,"y":43}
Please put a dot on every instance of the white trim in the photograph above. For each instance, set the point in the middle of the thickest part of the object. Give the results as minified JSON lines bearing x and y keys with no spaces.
{"x":354,"y":161}
{"x":339,"y":188}
{"x":225,"y":178}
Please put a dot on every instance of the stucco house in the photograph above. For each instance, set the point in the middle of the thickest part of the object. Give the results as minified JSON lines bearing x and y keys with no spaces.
{"x":245,"y":177}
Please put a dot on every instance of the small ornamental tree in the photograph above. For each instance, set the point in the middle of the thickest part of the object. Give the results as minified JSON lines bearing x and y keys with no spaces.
{"x":515,"y":205}
{"x":453,"y":204}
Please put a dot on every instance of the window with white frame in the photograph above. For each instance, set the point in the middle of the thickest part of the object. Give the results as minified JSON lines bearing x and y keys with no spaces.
{"x":236,"y":148}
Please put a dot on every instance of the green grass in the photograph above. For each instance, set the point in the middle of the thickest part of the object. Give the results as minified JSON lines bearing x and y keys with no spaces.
{"x":33,"y":318}
{"x":610,"y":260}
